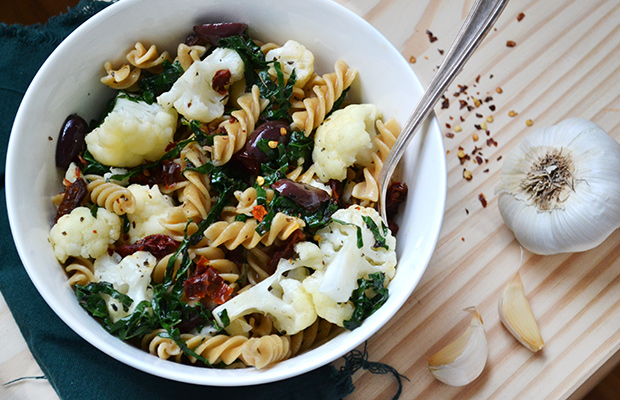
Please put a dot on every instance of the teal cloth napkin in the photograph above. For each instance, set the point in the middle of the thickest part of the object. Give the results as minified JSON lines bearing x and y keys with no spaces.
{"x":76,"y":369}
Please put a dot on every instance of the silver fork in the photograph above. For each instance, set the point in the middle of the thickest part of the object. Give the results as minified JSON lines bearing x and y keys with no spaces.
{"x":481,"y":18}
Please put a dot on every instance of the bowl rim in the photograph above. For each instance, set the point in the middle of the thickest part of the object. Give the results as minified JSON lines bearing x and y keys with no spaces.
{"x":11,"y":198}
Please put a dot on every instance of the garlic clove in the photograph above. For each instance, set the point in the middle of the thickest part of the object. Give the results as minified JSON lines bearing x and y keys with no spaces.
{"x":516,"y":315}
{"x":462,"y":360}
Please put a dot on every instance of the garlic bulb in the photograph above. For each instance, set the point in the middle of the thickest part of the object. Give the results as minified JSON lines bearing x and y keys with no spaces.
{"x":462,"y":360}
{"x":559,"y":189}
{"x":517,"y":316}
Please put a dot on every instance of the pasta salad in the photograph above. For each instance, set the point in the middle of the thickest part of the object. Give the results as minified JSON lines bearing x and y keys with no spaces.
{"x":222,"y":211}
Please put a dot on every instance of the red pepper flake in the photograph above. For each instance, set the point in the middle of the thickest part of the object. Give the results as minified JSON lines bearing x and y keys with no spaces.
{"x":478,"y":79}
{"x":511,"y":43}
{"x":220,"y":80}
{"x":449,"y":135}
{"x":488,"y":99}
{"x":483,"y":200}
{"x":462,"y":239}
{"x":467,"y":211}
{"x":463,"y":104}
{"x":445,"y":103}
{"x":479,"y":160}
{"x":259,"y":212}
{"x":431,"y":37}
{"x":492,"y":107}
{"x":50,"y":138}
{"x":448,"y":126}
{"x":491,"y":142}
{"x":440,"y":51}
{"x":486,"y":171}
{"x":520,"y":16}
{"x":207,"y":282}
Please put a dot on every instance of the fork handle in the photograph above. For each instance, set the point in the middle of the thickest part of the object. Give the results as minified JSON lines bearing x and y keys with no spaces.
{"x":479,"y":21}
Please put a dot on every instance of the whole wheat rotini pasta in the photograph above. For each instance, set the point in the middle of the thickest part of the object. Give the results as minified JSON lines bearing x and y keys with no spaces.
{"x":115,"y":198}
{"x":325,"y":94}
{"x":237,"y":131}
{"x":222,"y":235}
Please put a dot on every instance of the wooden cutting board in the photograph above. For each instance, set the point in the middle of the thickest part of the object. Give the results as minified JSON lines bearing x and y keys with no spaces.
{"x":565,"y":63}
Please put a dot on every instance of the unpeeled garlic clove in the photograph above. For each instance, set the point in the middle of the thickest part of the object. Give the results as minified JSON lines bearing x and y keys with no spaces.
{"x":516,"y":315}
{"x":463,"y":360}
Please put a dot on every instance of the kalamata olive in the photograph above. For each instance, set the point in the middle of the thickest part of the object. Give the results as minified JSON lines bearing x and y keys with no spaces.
{"x":304,"y":195}
{"x":212,"y":33}
{"x":70,"y":140}
{"x":273,"y":131}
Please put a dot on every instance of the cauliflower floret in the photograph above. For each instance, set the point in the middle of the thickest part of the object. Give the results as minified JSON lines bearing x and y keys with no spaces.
{"x":193,"y":94}
{"x":293,"y":56}
{"x":130,"y":275}
{"x":151,"y":206}
{"x":133,"y":132}
{"x":282,"y":297}
{"x":79,"y":234}
{"x":347,"y":261}
{"x":344,"y":139}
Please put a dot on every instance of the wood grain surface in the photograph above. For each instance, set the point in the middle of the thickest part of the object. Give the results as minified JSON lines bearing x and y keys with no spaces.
{"x":564,"y":64}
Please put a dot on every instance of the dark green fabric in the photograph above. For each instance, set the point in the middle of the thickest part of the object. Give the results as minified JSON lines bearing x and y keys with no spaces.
{"x":76,"y":369}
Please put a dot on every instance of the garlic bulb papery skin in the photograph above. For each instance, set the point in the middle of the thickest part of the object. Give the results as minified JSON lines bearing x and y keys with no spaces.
{"x":463,"y":360}
{"x":517,"y":316}
{"x":559,"y":189}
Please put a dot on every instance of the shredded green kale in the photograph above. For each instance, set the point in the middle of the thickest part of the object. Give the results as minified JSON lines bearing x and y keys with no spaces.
{"x":372,"y":226}
{"x":369,"y":296}
{"x":152,"y":85}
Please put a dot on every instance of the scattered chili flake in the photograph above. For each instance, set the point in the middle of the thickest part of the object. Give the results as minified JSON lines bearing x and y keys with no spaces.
{"x":449,"y":135}
{"x":488,"y":99}
{"x":478,"y":79}
{"x":499,"y":90}
{"x":50,"y":138}
{"x":461,"y":118}
{"x":486,"y":171}
{"x":467,"y":174}
{"x":462,"y":239}
{"x":483,"y":126}
{"x":478,"y":115}
{"x":491,"y":142}
{"x":259,"y":212}
{"x":479,"y":160}
{"x":477,"y":102}
{"x":412,"y":60}
{"x":511,"y":43}
{"x":477,"y":126}
{"x":490,"y":118}
{"x":430,"y":35}
{"x":529,"y":122}
{"x":475,"y":137}
{"x":499,"y":158}
{"x":445,"y":103}
{"x":458,"y":128}
{"x":463,"y":104}
{"x":491,"y":76}
{"x":492,"y":107}
{"x":467,"y":211}
{"x":440,"y":51}
{"x":512,"y":113}
{"x":520,"y":16}
{"x":460,"y":154}
{"x":483,"y":200}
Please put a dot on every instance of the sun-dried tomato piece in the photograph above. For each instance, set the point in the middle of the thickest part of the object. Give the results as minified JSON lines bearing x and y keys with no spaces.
{"x":75,"y":193}
{"x":158,"y":245}
{"x":286,"y":250}
{"x":206,"y":282}
{"x":220,"y":80}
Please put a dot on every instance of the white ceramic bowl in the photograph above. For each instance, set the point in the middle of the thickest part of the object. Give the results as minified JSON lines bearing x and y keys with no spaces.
{"x":68,"y":83}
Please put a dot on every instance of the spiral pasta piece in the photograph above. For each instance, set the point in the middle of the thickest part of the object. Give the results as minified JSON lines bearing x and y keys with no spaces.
{"x":142,"y":58}
{"x":113,"y":197}
{"x":163,"y":348}
{"x":239,"y":233}
{"x":368,"y":189}
{"x":247,"y":200}
{"x":262,"y":325}
{"x":123,"y":78}
{"x":177,"y":225}
{"x":299,"y":175}
{"x":220,"y":348}
{"x":80,"y":271}
{"x":314,"y":334}
{"x":326,"y":92}
{"x":239,"y":127}
{"x":264,"y":351}
{"x":187,"y":55}
{"x":195,"y":195}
